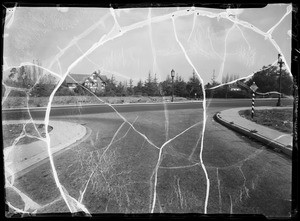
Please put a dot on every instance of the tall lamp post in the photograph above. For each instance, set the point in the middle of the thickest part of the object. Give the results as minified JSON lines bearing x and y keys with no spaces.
{"x":172,"y":75}
{"x":280,"y":62}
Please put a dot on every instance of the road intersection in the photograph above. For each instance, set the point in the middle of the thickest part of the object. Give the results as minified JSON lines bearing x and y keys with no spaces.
{"x":237,"y":167}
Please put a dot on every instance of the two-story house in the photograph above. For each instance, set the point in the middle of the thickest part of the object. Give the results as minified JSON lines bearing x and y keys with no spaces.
{"x":95,"y":82}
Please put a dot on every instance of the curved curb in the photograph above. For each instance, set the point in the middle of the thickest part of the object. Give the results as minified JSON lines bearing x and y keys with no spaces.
{"x":14,"y":166}
{"x":253,"y":134}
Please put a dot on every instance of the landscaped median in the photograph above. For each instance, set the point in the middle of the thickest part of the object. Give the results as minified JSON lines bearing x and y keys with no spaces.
{"x":19,"y":102}
{"x":278,"y":119}
{"x":15,"y":132}
{"x":22,"y":155}
{"x":264,"y":126}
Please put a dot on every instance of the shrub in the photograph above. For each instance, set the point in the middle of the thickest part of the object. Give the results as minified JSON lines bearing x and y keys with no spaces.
{"x":99,"y":93}
{"x":64,"y":91}
{"x":110,"y":93}
{"x":42,"y":90}
{"x":79,"y":90}
{"x":15,"y":93}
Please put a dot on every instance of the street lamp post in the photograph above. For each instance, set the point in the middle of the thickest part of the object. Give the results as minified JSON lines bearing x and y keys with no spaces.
{"x":172,"y":75}
{"x":280,"y":62}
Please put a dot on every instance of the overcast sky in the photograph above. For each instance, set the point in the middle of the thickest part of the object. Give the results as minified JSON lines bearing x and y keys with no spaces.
{"x":131,"y":42}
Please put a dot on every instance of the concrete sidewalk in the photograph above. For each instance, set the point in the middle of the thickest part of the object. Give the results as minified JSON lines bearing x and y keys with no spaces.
{"x":21,"y":157}
{"x":275,"y":139}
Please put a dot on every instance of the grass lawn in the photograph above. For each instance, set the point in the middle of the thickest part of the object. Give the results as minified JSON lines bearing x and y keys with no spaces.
{"x":12,"y":131}
{"x":281,"y":120}
{"x":122,"y":172}
{"x":17,"y":102}
{"x":113,"y":169}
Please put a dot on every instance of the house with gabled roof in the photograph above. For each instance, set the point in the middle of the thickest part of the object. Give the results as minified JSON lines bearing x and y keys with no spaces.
{"x":95,"y":82}
{"x":234,"y":87}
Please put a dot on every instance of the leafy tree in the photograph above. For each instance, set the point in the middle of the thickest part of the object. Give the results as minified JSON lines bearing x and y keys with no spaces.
{"x":166,"y":86}
{"x":47,"y":79}
{"x":268,"y":80}
{"x":19,"y":77}
{"x":81,"y":91}
{"x":265,"y":79}
{"x":11,"y":78}
{"x":42,"y":90}
{"x":64,"y":91}
{"x":13,"y":73}
{"x":286,"y":83}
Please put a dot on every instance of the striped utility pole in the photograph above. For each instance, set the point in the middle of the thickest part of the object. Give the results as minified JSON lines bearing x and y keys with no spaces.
{"x":252,"y":109}
{"x":253,"y":87}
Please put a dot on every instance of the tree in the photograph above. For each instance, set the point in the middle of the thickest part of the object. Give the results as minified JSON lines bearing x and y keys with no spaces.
{"x":130,"y":90}
{"x":226,"y":79}
{"x":111,"y":88}
{"x":11,"y":81}
{"x":180,"y":87}
{"x":213,"y":80}
{"x":193,"y":87}
{"x":286,"y":83}
{"x":166,"y":87}
{"x":42,"y":90}
{"x":155,"y":86}
{"x":138,"y":89}
{"x":113,"y":80}
{"x":19,"y":77}
{"x":47,"y":79}
{"x":13,"y":73}
{"x":149,"y":87}
{"x":121,"y":89}
{"x":267,"y":80}
{"x":64,"y":91}
{"x":80,"y":90}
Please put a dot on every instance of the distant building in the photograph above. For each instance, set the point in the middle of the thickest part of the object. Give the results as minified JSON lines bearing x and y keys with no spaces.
{"x":95,"y":82}
{"x":234,"y":87}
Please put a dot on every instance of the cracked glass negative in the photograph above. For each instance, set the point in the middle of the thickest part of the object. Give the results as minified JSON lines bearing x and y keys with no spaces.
{"x":90,"y":124}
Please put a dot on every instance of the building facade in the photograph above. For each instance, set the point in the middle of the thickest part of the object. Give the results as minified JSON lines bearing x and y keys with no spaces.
{"x":94,"y":82}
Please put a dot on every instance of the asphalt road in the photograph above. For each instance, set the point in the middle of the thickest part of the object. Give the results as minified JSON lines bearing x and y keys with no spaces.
{"x":158,"y":168}
{"x":217,"y":104}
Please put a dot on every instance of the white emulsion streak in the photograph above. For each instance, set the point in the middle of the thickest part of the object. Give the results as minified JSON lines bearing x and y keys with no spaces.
{"x":204,"y":116}
{"x":246,"y":78}
{"x":154,"y":68}
{"x":225,"y":52}
{"x":267,"y":35}
{"x":194,"y":22}
{"x":10,"y":16}
{"x":116,"y":32}
{"x":74,"y":205}
{"x":155,"y":172}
